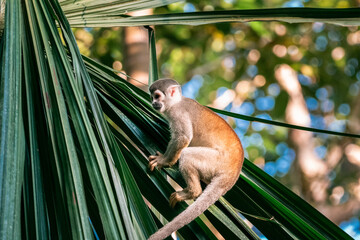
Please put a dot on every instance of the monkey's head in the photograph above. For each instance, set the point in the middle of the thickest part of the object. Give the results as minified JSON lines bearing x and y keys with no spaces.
{"x":164,"y":94}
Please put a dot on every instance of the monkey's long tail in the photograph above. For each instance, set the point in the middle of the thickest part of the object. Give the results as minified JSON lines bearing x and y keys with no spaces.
{"x":210,"y":195}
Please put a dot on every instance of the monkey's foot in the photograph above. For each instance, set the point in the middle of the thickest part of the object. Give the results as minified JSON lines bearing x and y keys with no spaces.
{"x":175,"y":198}
{"x":156,"y":160}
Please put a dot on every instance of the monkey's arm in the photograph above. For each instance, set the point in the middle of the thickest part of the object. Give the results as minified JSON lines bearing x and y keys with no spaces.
{"x":180,"y":138}
{"x":176,"y":145}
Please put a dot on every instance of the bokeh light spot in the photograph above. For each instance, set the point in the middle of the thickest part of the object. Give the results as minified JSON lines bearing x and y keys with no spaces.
{"x":338,"y":53}
{"x":265,"y":103}
{"x":311,"y":103}
{"x":273,"y":89}
{"x":344,"y":109}
{"x":279,"y":50}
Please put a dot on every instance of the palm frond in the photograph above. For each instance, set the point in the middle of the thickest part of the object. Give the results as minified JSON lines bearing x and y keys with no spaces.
{"x":91,"y":9}
{"x":281,"y":124}
{"x":12,"y":139}
{"x":344,"y":17}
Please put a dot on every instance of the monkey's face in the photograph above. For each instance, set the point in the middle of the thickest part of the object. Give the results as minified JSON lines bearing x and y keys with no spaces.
{"x":158,"y":100}
{"x":161,"y":101}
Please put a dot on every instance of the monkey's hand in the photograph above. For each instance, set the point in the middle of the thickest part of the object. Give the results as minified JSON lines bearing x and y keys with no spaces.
{"x":157,"y":160}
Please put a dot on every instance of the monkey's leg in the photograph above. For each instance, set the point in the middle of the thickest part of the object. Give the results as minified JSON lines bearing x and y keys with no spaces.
{"x":193,"y":190}
{"x":195,"y":164}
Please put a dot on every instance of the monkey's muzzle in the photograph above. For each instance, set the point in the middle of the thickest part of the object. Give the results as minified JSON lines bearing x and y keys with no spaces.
{"x":157,"y":106}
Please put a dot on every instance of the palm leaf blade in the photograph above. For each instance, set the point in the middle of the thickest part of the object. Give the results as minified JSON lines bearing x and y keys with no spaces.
{"x":12,"y":144}
{"x":349,"y":16}
{"x":281,"y":124}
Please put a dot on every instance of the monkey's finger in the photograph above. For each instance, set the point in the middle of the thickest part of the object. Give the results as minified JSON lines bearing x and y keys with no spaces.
{"x":152,"y":165}
{"x":152,"y":157}
{"x":173,"y":199}
{"x":158,"y":153}
{"x":173,"y":203}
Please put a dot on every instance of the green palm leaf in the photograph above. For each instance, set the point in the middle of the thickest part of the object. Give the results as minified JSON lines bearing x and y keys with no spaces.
{"x":97,"y":9}
{"x":349,"y":16}
{"x":281,"y":124}
{"x":12,"y":144}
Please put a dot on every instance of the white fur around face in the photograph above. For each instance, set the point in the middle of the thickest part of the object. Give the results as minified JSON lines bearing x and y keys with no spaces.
{"x":158,"y":97}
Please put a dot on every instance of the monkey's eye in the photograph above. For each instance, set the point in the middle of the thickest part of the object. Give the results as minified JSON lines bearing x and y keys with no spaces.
{"x":156,"y":96}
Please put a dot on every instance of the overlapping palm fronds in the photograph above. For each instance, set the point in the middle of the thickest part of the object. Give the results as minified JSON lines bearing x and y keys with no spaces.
{"x":75,"y":139}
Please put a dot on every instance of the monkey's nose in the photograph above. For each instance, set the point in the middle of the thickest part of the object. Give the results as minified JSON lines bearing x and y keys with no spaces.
{"x":157,"y":105}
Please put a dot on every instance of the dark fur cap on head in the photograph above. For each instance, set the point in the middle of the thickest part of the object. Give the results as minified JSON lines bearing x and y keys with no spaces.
{"x":162,"y":84}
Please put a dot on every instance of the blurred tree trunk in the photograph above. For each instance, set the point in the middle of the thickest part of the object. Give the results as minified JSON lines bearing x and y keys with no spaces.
{"x":137,"y":53}
{"x":313,"y":168}
{"x":315,"y":171}
{"x":2,"y":17}
{"x":345,"y":149}
{"x":354,"y":119}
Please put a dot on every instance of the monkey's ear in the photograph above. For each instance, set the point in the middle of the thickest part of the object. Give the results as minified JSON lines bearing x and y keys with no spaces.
{"x":173,"y":89}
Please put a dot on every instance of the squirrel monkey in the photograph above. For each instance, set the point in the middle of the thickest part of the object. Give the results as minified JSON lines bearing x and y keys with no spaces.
{"x":206,"y":146}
